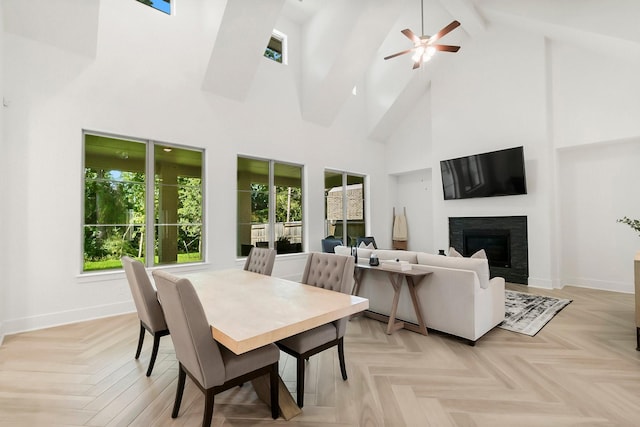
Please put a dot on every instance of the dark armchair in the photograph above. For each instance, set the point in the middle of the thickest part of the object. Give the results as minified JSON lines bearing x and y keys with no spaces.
{"x":330,"y":242}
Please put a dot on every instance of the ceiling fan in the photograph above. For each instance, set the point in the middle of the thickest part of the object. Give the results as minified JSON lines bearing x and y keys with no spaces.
{"x":424,"y":47}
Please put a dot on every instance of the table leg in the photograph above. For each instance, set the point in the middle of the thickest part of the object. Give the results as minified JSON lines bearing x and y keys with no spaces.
{"x":288,"y":406}
{"x":416,"y":305}
{"x":396,"y":282}
{"x":357,"y":279}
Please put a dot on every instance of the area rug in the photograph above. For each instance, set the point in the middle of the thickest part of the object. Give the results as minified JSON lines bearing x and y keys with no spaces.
{"x":528,"y":313}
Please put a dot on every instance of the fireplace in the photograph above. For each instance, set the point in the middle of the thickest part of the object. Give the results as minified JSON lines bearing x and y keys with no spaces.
{"x":496,"y":244}
{"x":504,"y":239}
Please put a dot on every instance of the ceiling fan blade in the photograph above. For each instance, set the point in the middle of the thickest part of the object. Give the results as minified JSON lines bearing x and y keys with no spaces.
{"x":407,"y":32}
{"x":446,"y":30}
{"x":399,"y":53}
{"x":445,"y":47}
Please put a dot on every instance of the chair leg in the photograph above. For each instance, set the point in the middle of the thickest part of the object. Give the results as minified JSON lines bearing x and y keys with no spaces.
{"x":209,"y":396}
{"x":140,"y":341}
{"x":274,"y":385}
{"x":154,"y":353}
{"x":300,"y":382}
{"x":343,"y":368}
{"x":182,"y":377}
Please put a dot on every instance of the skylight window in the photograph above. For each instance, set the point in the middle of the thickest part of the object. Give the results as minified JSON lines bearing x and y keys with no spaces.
{"x":161,"y":5}
{"x":277,"y":48}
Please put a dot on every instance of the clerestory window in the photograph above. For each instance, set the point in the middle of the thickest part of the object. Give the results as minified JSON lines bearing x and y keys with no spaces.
{"x":161,"y":5}
{"x":277,"y":47}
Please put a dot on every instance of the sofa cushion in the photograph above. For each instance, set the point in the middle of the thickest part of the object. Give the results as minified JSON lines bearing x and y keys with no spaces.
{"x":480,"y":266}
{"x":389,"y":254}
{"x":342,"y":250}
{"x":364,"y":253}
{"x":454,"y":253}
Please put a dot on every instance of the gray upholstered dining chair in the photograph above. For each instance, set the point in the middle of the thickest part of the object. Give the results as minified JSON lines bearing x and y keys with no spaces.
{"x":211,"y":366}
{"x":328,"y":271}
{"x":260,"y":260}
{"x":147,"y":305}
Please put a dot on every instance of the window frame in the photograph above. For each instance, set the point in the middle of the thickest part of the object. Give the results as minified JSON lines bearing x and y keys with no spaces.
{"x":159,"y":9}
{"x":345,"y":205}
{"x":282,"y":38}
{"x":272,"y":193}
{"x":150,"y":188}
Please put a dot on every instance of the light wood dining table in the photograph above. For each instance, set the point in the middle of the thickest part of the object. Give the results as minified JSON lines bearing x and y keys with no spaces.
{"x":248,"y":310}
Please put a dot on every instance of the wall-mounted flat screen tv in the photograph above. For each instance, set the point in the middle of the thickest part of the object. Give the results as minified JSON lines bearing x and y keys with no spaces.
{"x":497,"y":173}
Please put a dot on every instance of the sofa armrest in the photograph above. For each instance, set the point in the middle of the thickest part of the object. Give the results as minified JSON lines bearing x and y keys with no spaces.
{"x":496,"y":281}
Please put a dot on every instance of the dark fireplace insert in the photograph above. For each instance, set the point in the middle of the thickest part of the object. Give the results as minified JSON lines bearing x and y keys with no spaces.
{"x":496,"y":243}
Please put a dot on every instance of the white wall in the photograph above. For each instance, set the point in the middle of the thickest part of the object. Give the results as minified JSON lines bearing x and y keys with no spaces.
{"x":508,"y":88}
{"x":408,"y":157}
{"x":599,"y":186}
{"x":413,"y":195}
{"x":596,"y":98}
{"x":495,"y":97}
{"x":596,"y":104}
{"x":134,"y":88}
{"x":3,"y":184}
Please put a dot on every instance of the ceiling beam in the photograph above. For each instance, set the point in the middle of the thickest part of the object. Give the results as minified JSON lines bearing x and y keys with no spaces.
{"x":242,"y":38}
{"x":465,"y":12}
{"x":339,"y":45}
{"x":401,"y":107}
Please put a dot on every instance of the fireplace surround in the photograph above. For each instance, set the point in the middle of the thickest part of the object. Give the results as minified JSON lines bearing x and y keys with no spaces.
{"x":496,"y":243}
{"x":504,"y":239}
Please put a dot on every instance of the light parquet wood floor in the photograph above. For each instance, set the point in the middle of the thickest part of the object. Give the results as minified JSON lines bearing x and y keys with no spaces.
{"x":581,"y":369}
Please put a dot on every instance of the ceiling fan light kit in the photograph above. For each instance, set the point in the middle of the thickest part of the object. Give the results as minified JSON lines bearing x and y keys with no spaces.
{"x":424,"y":47}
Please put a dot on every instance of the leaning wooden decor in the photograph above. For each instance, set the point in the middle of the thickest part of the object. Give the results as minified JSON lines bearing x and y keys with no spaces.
{"x":399,"y":230}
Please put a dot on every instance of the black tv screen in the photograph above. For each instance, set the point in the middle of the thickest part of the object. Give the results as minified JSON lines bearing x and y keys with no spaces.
{"x":497,"y":173}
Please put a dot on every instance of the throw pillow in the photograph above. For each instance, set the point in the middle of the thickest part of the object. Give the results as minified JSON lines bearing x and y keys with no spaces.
{"x":481,"y":254}
{"x":454,"y":253}
{"x":367,"y":246}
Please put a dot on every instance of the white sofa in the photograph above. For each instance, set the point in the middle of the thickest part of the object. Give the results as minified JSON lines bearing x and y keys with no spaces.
{"x":458,"y":298}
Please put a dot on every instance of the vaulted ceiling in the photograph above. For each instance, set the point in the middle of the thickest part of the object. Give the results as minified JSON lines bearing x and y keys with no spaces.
{"x":342,"y":43}
{"x":353,"y":36}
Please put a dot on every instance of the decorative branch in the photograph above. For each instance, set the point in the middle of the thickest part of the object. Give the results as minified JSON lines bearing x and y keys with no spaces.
{"x":633,"y":223}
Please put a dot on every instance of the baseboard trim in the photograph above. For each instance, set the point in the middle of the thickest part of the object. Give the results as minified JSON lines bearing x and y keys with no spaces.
{"x":540,"y":283}
{"x":581,"y":282}
{"x":25,"y":324}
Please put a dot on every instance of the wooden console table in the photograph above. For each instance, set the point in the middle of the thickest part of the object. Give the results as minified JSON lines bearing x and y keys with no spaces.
{"x":413,"y":278}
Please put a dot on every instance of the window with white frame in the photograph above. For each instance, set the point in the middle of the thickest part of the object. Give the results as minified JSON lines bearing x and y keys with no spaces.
{"x":277,"y":47}
{"x":269,"y":205}
{"x":344,"y":206}
{"x":118,"y":194}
